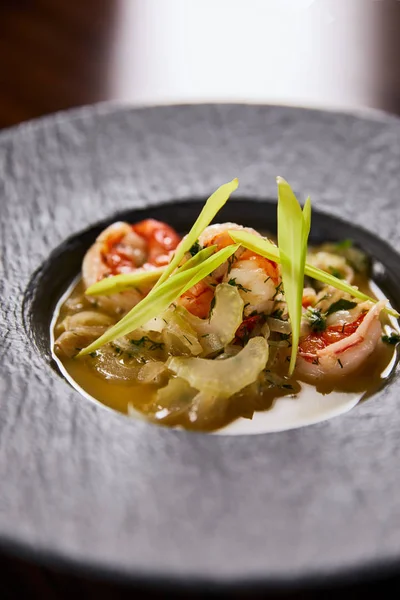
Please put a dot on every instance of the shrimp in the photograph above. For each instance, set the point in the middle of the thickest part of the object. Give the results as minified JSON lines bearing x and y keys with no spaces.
{"x":161,"y":240}
{"x":124,"y":248}
{"x":257,"y":278}
{"x":333,"y":264}
{"x":340,"y":349}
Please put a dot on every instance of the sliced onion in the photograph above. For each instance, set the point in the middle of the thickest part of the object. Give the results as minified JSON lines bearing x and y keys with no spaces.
{"x":178,"y":334}
{"x":156,"y":324}
{"x":230,"y":350}
{"x":220,"y":329}
{"x":265,"y":330}
{"x":278,"y":344}
{"x":151,"y":372}
{"x":223,"y":378}
{"x":69,"y":343}
{"x":174,"y":399}
{"x":113,"y":366}
{"x":279,"y":325}
{"x":87,"y":318}
{"x":343,"y":317}
{"x":205,"y":408}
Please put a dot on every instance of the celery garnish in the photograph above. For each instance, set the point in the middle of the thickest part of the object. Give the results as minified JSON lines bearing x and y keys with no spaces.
{"x":213,"y":205}
{"x":123,"y":282}
{"x":204,"y":268}
{"x":126,"y":281}
{"x":159,"y":300}
{"x":293,"y":230}
{"x":265,"y":248}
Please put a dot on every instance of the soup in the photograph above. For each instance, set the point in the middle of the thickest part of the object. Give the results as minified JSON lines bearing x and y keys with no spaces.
{"x":211,"y":347}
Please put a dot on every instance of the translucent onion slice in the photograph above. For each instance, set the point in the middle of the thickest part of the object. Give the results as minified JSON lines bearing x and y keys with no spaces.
{"x":151,"y":372}
{"x":174,"y":399}
{"x":178,"y":334}
{"x":226,"y":316}
{"x":223,"y":378}
{"x":279,"y":326}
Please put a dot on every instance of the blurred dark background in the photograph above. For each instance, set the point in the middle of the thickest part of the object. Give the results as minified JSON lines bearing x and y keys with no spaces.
{"x":58,"y":54}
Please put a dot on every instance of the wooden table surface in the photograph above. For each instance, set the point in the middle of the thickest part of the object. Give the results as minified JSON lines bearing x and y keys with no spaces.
{"x":58,"y":54}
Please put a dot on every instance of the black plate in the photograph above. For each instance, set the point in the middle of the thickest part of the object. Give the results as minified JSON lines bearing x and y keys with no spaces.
{"x":88,"y":488}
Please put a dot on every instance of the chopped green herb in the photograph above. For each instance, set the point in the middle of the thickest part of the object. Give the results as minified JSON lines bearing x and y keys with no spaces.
{"x":265,"y":280}
{"x":278,"y":313}
{"x":278,"y":290}
{"x":336,"y":273}
{"x":238,"y":285}
{"x":344,"y":244}
{"x":285,"y":336}
{"x":145,"y":340}
{"x":392,"y":339}
{"x":205,"y":335}
{"x":316,"y":319}
{"x":93,"y":354}
{"x":156,"y":346}
{"x":139,"y":343}
{"x":341,"y":304}
{"x":195,"y":249}
{"x":246,"y":305}
{"x":231,"y":260}
{"x":287,"y":386}
{"x":340,"y":363}
{"x":211,"y":307}
{"x":187,"y":339}
{"x":315,"y":361}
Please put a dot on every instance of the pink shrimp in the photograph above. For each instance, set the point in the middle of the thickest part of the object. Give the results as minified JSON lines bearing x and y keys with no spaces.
{"x":124,"y":248}
{"x":256,"y":277}
{"x":340,"y":349}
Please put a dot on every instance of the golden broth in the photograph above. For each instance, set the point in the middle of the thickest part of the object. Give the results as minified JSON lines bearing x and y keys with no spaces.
{"x":275,"y":409}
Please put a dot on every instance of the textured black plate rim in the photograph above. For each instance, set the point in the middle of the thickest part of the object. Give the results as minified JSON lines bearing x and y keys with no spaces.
{"x":110,"y":106}
{"x":47,"y":556}
{"x":346,"y":576}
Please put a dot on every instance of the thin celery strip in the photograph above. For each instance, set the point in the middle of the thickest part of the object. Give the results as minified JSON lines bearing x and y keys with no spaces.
{"x":126,"y":281}
{"x":204,"y":268}
{"x":123,"y":282}
{"x":293,"y":230}
{"x":265,"y":248}
{"x":160,"y":298}
{"x":213,"y":205}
